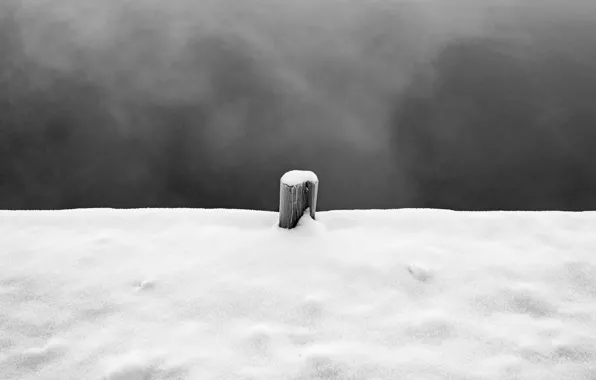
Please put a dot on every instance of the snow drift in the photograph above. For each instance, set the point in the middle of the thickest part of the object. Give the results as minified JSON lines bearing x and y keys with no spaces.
{"x":198,"y":294}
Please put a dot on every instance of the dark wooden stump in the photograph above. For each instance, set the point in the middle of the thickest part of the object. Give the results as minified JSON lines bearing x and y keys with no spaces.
{"x":294,"y":199}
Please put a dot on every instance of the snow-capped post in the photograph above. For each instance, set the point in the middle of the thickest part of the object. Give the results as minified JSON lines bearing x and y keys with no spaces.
{"x":297,"y":192}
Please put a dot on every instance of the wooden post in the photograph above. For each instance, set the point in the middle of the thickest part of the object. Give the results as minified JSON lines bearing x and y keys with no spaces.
{"x":297,"y":191}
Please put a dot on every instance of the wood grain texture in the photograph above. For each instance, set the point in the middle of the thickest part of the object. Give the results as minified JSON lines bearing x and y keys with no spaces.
{"x":293,"y":200}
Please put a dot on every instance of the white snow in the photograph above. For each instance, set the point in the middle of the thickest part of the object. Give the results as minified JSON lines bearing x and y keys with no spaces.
{"x":296,"y":177}
{"x":215,"y":294}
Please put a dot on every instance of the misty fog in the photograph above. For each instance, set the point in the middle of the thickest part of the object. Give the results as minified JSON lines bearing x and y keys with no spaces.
{"x":461,"y":104}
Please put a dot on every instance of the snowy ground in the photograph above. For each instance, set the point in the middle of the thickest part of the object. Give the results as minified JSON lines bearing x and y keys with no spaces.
{"x":197,"y":294}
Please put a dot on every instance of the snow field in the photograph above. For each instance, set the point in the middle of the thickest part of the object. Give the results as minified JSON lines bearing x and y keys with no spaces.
{"x":221,"y":294}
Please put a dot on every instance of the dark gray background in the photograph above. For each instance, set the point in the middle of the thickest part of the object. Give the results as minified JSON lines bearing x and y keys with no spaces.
{"x":448,"y":104}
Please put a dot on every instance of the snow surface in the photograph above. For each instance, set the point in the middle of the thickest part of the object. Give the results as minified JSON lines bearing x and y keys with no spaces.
{"x":214,"y":294}
{"x":296,"y":177}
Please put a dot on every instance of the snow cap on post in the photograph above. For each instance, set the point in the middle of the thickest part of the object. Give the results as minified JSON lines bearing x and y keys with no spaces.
{"x":297,"y":192}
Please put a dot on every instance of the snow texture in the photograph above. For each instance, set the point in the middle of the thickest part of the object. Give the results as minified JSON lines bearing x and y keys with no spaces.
{"x":222,"y":294}
{"x":296,"y":177}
